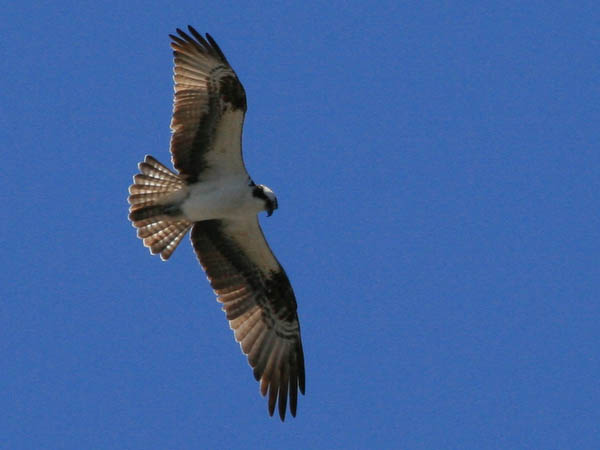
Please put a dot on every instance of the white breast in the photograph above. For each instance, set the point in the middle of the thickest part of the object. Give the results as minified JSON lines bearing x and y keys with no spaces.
{"x":221,"y":198}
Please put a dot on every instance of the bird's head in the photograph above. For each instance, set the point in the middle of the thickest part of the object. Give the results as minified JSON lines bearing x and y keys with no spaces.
{"x":268,"y":196}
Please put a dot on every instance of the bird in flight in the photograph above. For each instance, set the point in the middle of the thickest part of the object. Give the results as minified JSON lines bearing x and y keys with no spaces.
{"x":212,"y":194}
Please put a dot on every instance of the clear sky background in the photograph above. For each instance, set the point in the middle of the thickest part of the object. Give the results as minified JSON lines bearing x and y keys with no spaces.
{"x":437,"y":167}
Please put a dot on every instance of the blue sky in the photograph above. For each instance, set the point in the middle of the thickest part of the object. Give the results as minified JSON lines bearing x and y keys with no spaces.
{"x":437,"y":170}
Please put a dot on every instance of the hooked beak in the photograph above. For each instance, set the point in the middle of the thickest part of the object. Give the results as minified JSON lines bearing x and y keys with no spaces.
{"x":272,"y":207}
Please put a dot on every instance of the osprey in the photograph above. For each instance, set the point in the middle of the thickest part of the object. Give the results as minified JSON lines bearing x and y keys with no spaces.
{"x":213,"y":195}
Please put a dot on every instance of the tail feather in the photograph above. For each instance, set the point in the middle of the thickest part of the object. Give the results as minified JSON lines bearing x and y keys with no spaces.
{"x":156,"y":218}
{"x":166,"y":239}
{"x":153,"y":183}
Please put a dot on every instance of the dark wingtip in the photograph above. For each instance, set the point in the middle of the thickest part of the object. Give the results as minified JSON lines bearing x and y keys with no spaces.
{"x":301,"y":379}
{"x":282,"y":409}
{"x":216,"y":47}
{"x":204,"y":44}
{"x":197,"y":35}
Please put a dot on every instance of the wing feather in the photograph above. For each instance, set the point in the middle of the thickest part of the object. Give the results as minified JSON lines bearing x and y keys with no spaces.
{"x":259,"y":302}
{"x":208,"y":109}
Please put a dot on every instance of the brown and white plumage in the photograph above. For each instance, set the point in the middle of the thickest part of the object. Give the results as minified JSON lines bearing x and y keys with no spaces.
{"x":214,"y":196}
{"x":208,"y":110}
{"x":259,"y":302}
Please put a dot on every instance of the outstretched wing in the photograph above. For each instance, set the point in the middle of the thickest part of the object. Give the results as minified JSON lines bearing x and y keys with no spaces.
{"x":259,"y":302}
{"x":208,"y":109}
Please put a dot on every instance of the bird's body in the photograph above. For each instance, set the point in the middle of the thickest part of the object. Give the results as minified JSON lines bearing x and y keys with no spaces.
{"x":214,"y":196}
{"x":227,"y":197}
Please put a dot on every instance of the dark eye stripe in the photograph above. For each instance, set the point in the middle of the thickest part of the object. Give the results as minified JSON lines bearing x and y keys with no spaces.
{"x":258,"y":192}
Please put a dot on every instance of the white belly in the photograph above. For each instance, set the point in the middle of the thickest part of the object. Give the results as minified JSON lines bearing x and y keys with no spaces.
{"x":230,"y":197}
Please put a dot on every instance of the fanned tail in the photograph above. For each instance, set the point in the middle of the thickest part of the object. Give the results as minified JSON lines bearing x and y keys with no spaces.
{"x":154,"y":207}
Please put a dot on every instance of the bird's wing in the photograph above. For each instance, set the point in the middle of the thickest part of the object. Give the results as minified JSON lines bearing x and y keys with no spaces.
{"x":208,"y":109}
{"x":259,"y":302}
